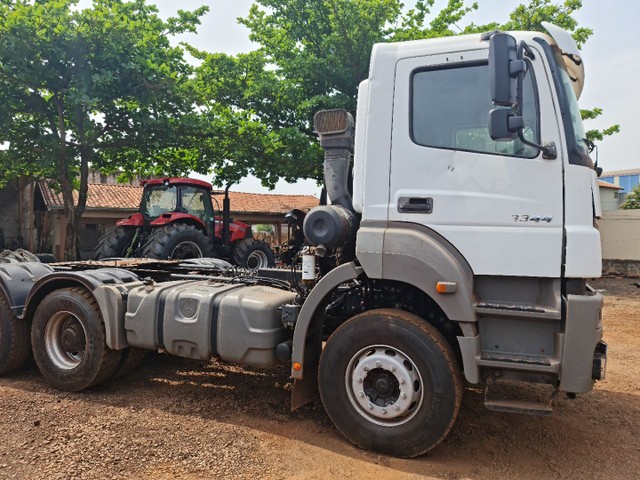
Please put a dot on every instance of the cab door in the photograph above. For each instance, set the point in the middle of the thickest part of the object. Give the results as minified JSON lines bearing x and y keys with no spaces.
{"x":498,"y":203}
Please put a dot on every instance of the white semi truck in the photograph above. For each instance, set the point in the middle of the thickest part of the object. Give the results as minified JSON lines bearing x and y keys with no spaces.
{"x":457,"y":246}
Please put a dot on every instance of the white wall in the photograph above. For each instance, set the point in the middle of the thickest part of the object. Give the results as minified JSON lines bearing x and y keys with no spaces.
{"x":609,"y":199}
{"x":620,"y":234}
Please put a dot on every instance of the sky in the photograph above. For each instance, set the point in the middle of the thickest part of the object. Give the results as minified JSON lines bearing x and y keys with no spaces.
{"x":611,"y":57}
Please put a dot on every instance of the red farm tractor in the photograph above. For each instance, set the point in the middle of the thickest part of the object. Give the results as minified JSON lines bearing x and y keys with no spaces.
{"x":176,"y":220}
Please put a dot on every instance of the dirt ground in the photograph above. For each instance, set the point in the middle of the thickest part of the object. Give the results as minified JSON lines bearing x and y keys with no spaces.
{"x":179,"y":419}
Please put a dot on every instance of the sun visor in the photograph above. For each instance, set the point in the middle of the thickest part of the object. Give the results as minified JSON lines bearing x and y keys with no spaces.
{"x":571,"y":55}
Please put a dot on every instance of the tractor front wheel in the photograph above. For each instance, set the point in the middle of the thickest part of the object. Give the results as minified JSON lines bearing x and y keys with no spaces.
{"x":253,"y":254}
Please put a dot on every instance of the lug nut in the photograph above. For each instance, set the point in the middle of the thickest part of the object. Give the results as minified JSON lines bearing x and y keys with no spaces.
{"x":378,"y":364}
{"x":393,"y":369}
{"x":359,"y":379}
{"x":370,"y":407}
{"x":397,"y":407}
{"x":402,"y":381}
{"x":361,"y":394}
{"x":365,"y":368}
{"x":384,"y":410}
{"x":403,"y":395}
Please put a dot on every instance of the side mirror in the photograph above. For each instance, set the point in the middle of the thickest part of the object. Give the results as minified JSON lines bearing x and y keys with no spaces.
{"x":505,"y":67}
{"x":503,"y":125}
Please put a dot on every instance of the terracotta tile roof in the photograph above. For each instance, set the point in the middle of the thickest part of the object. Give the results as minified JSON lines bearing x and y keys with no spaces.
{"x":242,"y":202}
{"x":608,"y":185}
{"x":616,"y":173}
{"x":127,"y":198}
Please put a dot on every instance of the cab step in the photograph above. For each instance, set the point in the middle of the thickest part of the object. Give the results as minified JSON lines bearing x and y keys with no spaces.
{"x":527,"y":407}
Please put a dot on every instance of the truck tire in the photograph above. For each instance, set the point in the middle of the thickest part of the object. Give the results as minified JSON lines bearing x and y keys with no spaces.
{"x":14,"y":339}
{"x":390,"y":383}
{"x":131,"y":359}
{"x":176,"y":241}
{"x":68,"y":341}
{"x":114,"y":243}
{"x":253,"y":254}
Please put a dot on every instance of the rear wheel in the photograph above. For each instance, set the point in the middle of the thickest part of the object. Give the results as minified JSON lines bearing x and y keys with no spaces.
{"x":177,"y":241}
{"x":68,"y":341}
{"x":254,"y":254}
{"x":390,"y":383}
{"x":14,"y":339}
{"x":115,"y":243}
{"x":131,"y":359}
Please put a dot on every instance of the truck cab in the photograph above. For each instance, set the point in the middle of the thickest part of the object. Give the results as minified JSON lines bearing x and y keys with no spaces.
{"x":474,"y":206}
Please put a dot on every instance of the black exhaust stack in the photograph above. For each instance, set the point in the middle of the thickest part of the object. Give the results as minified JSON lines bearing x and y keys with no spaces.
{"x":334,"y":225}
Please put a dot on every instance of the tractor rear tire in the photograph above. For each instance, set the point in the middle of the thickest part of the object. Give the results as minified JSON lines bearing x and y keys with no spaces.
{"x":114,"y":243}
{"x":177,"y":241}
{"x":14,"y":339}
{"x":253,"y":254}
{"x":69,"y":341}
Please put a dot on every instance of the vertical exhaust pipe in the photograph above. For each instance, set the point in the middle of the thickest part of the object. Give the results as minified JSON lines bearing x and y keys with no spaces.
{"x":334,"y":225}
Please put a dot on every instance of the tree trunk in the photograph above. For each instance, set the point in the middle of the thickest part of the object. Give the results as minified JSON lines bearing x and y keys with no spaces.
{"x":71,"y":242}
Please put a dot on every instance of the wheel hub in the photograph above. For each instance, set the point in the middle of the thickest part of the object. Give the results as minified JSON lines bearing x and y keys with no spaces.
{"x":384,"y":385}
{"x":72,"y":338}
{"x":257,"y":259}
{"x":65,"y":340}
{"x":186,"y":250}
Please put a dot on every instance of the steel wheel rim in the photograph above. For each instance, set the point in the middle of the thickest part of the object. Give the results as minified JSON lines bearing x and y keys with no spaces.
{"x":58,"y":340}
{"x":384,"y":385}
{"x":257,"y":259}
{"x":186,"y":249}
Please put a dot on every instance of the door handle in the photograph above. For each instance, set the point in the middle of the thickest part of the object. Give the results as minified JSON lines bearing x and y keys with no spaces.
{"x":415,"y":205}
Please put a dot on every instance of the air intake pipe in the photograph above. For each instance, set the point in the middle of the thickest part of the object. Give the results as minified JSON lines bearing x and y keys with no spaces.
{"x":334,"y":225}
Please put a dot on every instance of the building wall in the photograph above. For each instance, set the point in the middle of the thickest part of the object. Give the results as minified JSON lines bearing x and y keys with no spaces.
{"x":620,"y":235}
{"x":627,"y":182}
{"x":609,"y":199}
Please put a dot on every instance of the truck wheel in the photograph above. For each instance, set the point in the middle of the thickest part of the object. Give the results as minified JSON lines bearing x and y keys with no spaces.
{"x":14,"y":339}
{"x":390,"y":383}
{"x":253,"y":254}
{"x":131,"y":359}
{"x":114,"y":243}
{"x":68,"y":341}
{"x":177,"y":241}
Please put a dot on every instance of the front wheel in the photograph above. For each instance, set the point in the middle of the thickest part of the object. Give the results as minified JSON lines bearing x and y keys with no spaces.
{"x":390,"y":383}
{"x":69,"y":341}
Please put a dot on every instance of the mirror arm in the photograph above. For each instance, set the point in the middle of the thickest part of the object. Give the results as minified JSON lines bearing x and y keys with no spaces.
{"x":525,"y":50}
{"x":549,"y":150}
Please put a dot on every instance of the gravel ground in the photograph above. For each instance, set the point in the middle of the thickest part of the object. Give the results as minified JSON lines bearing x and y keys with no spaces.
{"x":175,"y":418}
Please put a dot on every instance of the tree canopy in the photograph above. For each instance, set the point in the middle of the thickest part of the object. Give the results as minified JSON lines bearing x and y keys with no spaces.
{"x":632,"y":202}
{"x":312,"y":56}
{"x":101,"y":86}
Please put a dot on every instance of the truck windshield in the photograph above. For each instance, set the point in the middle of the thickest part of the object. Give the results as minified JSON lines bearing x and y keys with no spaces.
{"x":158,"y":200}
{"x":574,"y":110}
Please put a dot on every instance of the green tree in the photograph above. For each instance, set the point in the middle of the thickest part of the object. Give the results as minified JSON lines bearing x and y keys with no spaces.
{"x":632,"y":201}
{"x":312,"y":55}
{"x":99,"y":87}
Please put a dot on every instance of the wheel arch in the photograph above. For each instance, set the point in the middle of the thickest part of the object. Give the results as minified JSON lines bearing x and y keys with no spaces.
{"x":174,"y":218}
{"x":17,"y":281}
{"x":417,"y":255}
{"x":90,"y":281}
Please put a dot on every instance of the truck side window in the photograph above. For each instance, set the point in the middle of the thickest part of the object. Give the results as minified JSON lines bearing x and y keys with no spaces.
{"x":450,"y":108}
